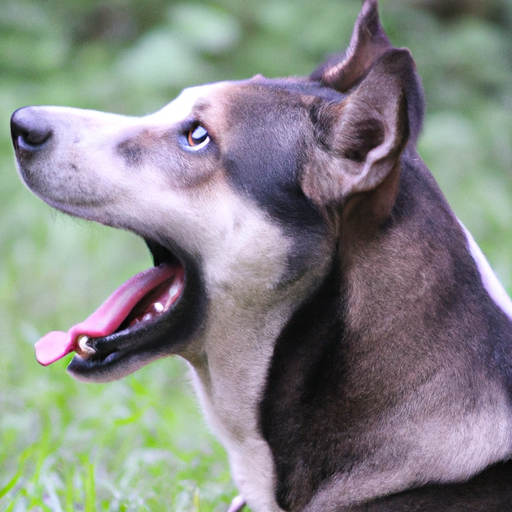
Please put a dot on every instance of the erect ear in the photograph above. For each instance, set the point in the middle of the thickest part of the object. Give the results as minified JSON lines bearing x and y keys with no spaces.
{"x":368,"y":44}
{"x":360,"y":140}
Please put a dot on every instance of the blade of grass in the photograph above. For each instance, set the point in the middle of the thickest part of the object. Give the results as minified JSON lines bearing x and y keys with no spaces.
{"x":13,"y":481}
{"x":89,"y":486}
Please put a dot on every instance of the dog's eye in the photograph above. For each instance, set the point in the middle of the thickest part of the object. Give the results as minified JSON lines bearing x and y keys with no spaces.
{"x":198,"y":137}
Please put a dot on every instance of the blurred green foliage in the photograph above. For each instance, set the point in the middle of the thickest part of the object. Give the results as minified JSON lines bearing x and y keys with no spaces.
{"x":140,"y":444}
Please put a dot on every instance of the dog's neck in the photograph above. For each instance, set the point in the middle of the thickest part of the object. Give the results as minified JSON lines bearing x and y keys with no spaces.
{"x":229,"y":376}
{"x":390,"y":349}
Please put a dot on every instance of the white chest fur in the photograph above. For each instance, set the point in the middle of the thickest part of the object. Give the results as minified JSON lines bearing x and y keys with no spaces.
{"x":229,"y":387}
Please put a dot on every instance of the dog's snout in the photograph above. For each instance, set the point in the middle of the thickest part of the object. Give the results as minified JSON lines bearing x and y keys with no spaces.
{"x":29,"y":131}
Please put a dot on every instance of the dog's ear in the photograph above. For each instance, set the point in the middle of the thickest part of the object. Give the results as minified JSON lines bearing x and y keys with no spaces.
{"x":359,"y":141}
{"x":368,"y":44}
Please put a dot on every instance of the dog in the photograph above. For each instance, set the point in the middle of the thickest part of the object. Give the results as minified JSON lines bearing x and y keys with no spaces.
{"x":349,"y":343}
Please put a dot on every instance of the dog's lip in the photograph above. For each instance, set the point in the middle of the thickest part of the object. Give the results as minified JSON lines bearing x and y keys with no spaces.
{"x":107,"y":327}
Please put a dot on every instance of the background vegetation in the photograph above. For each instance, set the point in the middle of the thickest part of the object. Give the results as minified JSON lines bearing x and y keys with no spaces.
{"x":140,"y":444}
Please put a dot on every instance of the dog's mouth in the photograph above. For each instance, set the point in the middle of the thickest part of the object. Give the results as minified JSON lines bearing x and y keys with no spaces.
{"x":133,"y":326}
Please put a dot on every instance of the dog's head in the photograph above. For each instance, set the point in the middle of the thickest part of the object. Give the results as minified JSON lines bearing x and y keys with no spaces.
{"x":240,"y":190}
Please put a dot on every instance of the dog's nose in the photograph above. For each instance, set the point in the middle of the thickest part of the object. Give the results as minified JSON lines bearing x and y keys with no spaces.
{"x":29,"y":131}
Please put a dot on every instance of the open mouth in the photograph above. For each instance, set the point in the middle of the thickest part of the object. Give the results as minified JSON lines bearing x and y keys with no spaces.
{"x":135,"y":322}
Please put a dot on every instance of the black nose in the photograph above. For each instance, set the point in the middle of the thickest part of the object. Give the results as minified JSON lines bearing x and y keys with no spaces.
{"x":29,"y":130}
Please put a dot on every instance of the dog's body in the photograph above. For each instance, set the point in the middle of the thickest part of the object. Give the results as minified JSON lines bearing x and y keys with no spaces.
{"x":350,"y":345}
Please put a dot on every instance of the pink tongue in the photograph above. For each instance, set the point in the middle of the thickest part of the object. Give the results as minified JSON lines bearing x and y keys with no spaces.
{"x":107,"y":318}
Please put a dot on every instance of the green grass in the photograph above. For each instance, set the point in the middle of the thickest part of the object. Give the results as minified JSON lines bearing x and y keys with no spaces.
{"x":133,"y":446}
{"x":141,"y":444}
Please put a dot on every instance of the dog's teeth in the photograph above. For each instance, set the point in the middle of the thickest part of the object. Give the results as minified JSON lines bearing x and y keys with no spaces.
{"x":147,"y":317}
{"x":84,"y":348}
{"x":159,"y":307}
{"x":174,"y":290}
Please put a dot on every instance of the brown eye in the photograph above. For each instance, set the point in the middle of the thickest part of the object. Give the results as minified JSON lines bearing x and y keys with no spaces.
{"x":198,"y":137}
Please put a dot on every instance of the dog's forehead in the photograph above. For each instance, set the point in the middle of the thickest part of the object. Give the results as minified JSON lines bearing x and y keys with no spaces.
{"x":220,"y":94}
{"x":183,"y":106}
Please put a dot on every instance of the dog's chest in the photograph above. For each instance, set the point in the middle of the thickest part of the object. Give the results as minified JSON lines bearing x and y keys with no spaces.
{"x":229,"y":395}
{"x":230,"y":386}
